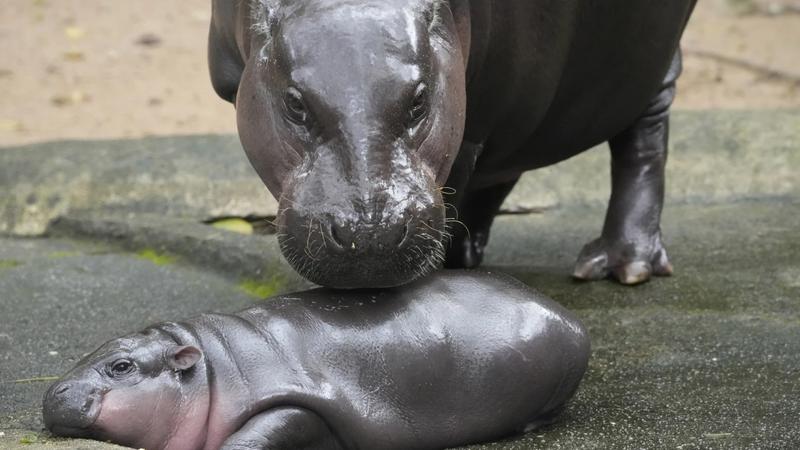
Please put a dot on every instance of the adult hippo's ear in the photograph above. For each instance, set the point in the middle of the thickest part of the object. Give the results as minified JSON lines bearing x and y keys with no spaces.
{"x":225,"y":61}
{"x":183,"y":357}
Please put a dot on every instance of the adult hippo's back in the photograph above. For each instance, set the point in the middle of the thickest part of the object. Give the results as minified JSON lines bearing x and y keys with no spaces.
{"x":376,"y":122}
{"x":453,"y":359}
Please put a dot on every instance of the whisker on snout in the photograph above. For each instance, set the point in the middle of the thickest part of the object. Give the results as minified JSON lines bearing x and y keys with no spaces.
{"x":309,"y":234}
{"x":456,"y":221}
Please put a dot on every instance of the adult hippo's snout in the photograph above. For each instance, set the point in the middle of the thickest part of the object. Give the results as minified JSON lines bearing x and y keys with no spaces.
{"x":345,"y":236}
{"x":361,"y":254}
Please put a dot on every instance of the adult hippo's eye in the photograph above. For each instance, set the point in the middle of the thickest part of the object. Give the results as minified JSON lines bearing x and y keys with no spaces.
{"x":419,"y":107}
{"x":121,"y":367}
{"x":295,"y":108}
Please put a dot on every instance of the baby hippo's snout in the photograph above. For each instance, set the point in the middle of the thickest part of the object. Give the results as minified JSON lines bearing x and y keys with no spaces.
{"x":71,"y":407}
{"x":385,"y":249}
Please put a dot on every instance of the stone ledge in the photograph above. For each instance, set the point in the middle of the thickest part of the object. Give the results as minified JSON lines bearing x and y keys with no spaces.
{"x":716,"y":156}
{"x":243,"y":257}
{"x":188,"y":176}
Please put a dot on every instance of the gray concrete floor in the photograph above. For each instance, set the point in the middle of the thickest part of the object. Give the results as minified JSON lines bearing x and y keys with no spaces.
{"x":709,"y":358}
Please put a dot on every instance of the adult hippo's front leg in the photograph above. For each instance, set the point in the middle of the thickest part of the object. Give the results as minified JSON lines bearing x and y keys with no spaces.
{"x":470,"y":212}
{"x":469,"y":221}
{"x":630,"y":247}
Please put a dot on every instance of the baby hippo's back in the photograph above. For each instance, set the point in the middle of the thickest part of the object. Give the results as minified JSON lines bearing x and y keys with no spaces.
{"x":457,"y":358}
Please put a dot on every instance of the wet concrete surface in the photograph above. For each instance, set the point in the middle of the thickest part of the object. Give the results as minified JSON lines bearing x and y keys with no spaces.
{"x":709,"y":358}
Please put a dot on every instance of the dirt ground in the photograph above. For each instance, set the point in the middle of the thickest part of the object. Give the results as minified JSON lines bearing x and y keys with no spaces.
{"x":112,"y":69}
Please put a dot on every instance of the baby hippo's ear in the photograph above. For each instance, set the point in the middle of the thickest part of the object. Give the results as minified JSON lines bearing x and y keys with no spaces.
{"x":184,"y":357}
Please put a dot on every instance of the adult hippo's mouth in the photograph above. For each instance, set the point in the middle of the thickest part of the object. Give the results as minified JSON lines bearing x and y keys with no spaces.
{"x":393,"y":244}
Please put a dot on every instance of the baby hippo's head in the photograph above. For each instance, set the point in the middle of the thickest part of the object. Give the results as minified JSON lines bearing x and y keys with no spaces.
{"x":144,"y":390}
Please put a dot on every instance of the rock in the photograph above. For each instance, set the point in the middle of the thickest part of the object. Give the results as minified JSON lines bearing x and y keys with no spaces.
{"x":198,"y":177}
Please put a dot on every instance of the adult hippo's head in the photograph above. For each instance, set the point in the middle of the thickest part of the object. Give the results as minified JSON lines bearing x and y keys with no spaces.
{"x":352,"y":113}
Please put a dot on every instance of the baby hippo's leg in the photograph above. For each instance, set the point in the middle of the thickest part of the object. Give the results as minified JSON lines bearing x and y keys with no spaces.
{"x":284,"y":428}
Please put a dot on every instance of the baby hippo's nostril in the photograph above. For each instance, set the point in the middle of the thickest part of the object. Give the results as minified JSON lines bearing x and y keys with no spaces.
{"x":61,"y":389}
{"x":87,"y":405}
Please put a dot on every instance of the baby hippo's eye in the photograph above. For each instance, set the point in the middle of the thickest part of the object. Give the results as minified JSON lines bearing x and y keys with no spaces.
{"x":121,"y":367}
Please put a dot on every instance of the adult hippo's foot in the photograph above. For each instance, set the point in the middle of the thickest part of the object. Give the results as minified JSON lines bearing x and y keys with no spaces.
{"x":466,"y":250}
{"x":470,"y":230}
{"x":630,"y":248}
{"x":629,"y":262}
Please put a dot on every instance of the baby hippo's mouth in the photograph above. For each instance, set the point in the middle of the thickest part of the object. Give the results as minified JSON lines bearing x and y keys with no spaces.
{"x":66,"y":431}
{"x":71,"y":408}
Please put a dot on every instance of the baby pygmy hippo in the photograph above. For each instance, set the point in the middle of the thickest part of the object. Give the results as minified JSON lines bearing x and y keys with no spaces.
{"x":454,"y":359}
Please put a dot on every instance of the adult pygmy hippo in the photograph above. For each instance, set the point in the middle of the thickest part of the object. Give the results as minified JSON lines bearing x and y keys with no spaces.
{"x":449,"y":360}
{"x":373,"y":120}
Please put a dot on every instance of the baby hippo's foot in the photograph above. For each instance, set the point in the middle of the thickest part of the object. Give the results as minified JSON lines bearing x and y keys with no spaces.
{"x":630,"y":262}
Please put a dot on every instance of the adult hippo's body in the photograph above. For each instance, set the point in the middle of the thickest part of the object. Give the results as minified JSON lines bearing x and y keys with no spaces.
{"x":376,"y":122}
{"x":449,"y":360}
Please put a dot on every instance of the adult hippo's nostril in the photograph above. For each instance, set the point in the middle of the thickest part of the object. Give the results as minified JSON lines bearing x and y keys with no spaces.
{"x":61,"y":389}
{"x":342,"y":236}
{"x":381,"y":236}
{"x":348,"y":249}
